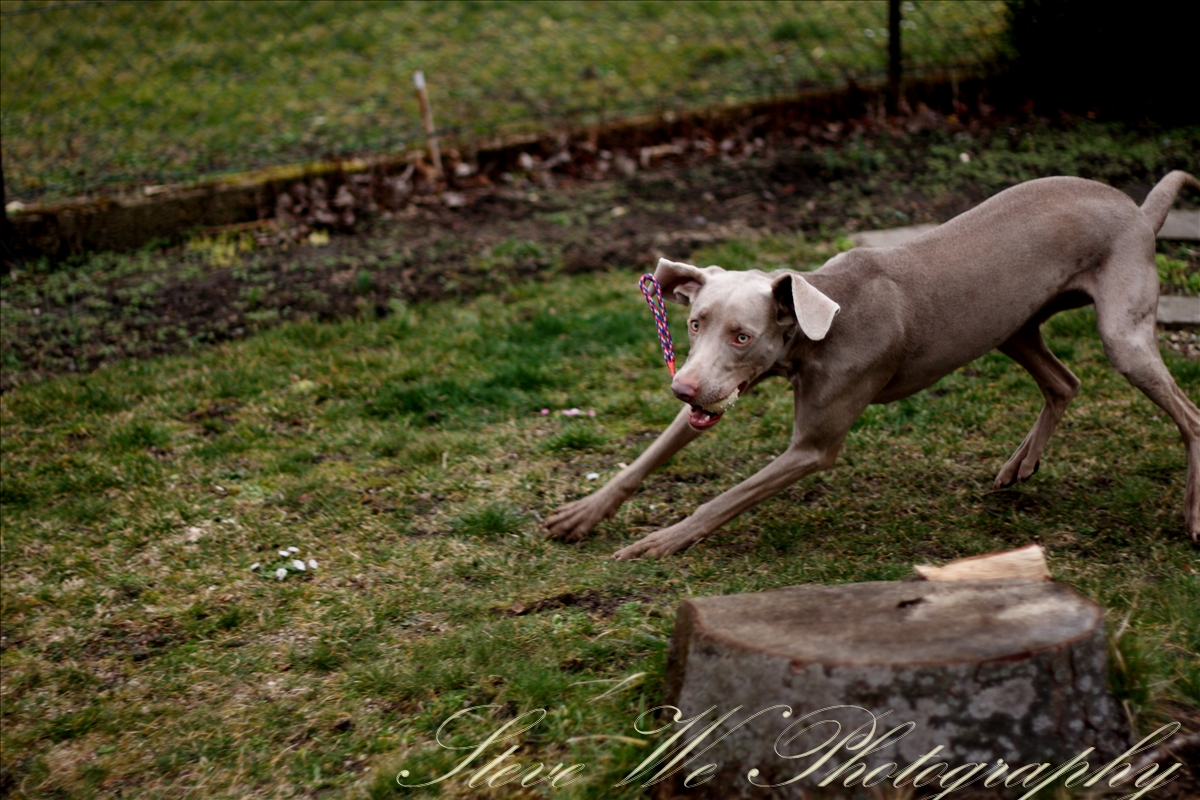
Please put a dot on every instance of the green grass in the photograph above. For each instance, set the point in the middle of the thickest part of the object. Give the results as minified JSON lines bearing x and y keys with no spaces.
{"x":104,"y":93}
{"x":1176,"y":276}
{"x":100,"y":307}
{"x":409,"y":457}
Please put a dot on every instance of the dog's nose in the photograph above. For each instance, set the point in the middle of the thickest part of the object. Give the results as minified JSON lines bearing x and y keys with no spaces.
{"x":684,"y":390}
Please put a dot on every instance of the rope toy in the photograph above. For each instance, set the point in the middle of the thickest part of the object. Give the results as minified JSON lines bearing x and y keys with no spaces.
{"x":653,"y":292}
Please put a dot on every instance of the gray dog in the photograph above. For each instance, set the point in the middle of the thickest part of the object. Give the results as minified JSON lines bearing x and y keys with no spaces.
{"x":874,"y":325}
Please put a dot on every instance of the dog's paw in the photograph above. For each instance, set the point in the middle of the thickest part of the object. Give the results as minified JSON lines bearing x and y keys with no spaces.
{"x":635,"y":550}
{"x":572,"y":522}
{"x":1016,"y":471}
{"x":660,"y":543}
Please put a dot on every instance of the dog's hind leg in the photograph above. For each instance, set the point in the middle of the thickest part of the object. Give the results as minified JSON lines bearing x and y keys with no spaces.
{"x":1058,"y":384}
{"x":1126,"y":298}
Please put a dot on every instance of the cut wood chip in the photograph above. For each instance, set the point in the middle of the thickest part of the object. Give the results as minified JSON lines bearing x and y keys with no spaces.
{"x":1025,"y":563}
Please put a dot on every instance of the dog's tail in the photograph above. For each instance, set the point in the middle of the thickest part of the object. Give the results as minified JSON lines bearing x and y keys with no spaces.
{"x":1159,"y":201}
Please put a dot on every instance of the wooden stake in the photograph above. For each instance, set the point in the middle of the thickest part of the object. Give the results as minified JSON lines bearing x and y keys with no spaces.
{"x":435,"y":153}
{"x":1026,"y":563}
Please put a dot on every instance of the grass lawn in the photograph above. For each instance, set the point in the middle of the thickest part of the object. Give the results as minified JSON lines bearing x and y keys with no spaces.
{"x":408,"y":456}
{"x":99,"y":93}
{"x":208,"y":287}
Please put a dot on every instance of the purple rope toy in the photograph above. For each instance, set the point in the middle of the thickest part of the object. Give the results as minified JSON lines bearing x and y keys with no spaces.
{"x":653,"y":292}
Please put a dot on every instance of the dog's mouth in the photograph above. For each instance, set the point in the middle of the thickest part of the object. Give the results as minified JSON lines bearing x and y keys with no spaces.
{"x":703,"y":417}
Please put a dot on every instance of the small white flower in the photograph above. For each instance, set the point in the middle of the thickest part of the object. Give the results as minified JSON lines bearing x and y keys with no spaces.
{"x":298,"y":565}
{"x":280,"y":573}
{"x":284,"y":554}
{"x":591,"y":476}
{"x":293,"y":549}
{"x":964,"y":157}
{"x":312,"y":563}
{"x":255,"y":566}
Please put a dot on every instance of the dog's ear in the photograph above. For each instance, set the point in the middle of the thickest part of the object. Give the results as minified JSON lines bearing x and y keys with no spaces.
{"x":680,"y":282}
{"x":798,"y":299}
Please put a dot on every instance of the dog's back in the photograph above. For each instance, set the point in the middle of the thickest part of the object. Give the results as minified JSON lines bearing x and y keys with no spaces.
{"x":969,"y":285}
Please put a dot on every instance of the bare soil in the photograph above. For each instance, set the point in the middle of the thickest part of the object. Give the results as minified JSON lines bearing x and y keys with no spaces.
{"x":412,"y":239}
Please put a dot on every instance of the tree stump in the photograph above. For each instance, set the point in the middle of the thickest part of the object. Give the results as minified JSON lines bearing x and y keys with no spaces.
{"x":988,"y":670}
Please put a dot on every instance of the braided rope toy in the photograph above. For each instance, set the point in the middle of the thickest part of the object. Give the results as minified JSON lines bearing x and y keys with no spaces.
{"x":653,"y":292}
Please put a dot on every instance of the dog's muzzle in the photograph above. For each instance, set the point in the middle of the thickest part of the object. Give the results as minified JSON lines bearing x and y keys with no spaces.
{"x":706,"y":416}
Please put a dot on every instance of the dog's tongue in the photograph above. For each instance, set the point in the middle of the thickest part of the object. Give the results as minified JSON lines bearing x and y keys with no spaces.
{"x":701,"y":419}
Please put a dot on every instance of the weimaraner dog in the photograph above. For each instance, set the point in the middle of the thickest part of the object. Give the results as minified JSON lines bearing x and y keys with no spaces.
{"x":874,"y":325}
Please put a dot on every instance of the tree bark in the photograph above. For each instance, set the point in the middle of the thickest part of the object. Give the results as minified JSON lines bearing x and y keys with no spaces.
{"x":988,"y":670}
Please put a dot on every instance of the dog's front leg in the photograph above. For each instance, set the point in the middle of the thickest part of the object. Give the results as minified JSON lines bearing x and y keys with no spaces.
{"x":573,"y":521}
{"x":796,"y":462}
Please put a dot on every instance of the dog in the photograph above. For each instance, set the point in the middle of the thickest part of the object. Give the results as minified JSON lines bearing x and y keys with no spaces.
{"x":874,"y":325}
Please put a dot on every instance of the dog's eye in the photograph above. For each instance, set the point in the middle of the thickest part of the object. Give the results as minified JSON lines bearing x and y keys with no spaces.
{"x":742,"y":338}
{"x":694,"y":325}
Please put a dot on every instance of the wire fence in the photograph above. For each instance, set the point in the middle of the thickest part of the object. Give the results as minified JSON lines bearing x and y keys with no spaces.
{"x":98,"y":97}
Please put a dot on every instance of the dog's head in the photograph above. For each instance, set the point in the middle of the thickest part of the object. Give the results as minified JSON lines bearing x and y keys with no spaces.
{"x":739,"y":325}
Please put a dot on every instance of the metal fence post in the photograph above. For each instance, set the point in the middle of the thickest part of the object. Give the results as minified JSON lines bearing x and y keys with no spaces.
{"x":894,"y":57}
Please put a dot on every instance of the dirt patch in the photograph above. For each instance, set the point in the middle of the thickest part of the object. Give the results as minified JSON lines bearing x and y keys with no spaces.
{"x":135,"y":641}
{"x":580,"y":209}
{"x":592,"y":601}
{"x":212,"y":419}
{"x":1182,"y":748}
